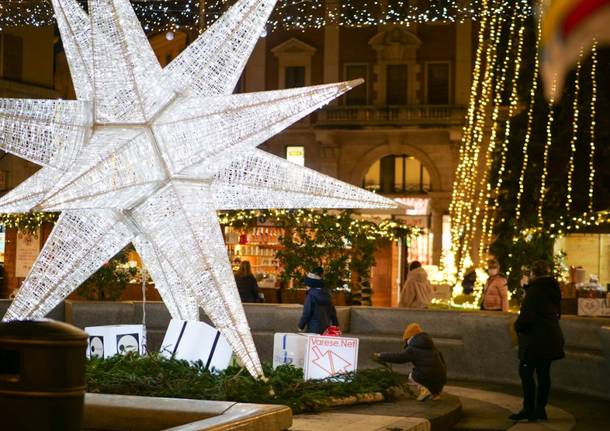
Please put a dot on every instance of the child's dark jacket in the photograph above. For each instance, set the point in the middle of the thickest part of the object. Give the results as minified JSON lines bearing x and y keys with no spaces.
{"x":429,"y":367}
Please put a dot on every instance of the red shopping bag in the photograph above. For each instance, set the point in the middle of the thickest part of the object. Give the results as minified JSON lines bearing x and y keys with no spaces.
{"x":332,"y":331}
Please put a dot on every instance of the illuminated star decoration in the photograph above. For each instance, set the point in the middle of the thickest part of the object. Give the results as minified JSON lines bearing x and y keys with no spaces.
{"x":148,"y":156}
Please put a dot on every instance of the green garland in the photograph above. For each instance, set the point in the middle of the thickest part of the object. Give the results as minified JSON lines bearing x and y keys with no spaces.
{"x":27,"y":222}
{"x":387,"y":229}
{"x":156,"y":376}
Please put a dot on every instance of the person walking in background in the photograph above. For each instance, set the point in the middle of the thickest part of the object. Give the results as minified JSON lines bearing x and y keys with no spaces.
{"x":417,"y":291}
{"x":495,"y":293}
{"x":318,"y":311}
{"x":540,"y":340}
{"x":429,"y":368}
{"x":246,"y":283}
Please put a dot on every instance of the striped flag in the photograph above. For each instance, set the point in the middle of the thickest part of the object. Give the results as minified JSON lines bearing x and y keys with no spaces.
{"x":568,"y":26}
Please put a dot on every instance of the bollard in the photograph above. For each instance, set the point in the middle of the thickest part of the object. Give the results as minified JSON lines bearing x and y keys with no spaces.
{"x":42,"y":375}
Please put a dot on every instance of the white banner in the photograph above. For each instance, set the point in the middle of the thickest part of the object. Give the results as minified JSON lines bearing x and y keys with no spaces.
{"x":329,"y":356}
{"x":28,"y":248}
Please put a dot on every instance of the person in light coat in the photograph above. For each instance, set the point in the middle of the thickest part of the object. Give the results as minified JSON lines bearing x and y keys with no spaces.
{"x":495,"y":294}
{"x":417,"y":291}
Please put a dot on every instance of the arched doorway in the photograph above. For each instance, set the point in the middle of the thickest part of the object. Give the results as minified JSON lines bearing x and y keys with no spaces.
{"x":397,"y":174}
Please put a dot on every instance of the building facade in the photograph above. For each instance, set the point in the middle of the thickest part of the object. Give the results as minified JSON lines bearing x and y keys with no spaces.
{"x":397,"y":133}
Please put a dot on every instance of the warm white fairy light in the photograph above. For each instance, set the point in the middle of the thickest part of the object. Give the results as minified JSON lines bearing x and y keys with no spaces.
{"x":466,"y":217}
{"x":482,"y":205}
{"x":529,"y":127}
{"x":167,"y":15}
{"x":547,"y":149}
{"x":574,"y":139}
{"x":592,"y":125}
{"x":457,"y":205}
{"x":166,"y":149}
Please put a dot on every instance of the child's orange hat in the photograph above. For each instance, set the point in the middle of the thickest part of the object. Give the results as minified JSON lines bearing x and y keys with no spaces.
{"x":411,"y":330}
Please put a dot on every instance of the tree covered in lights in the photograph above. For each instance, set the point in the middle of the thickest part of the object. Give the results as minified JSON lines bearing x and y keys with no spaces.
{"x":540,"y":200}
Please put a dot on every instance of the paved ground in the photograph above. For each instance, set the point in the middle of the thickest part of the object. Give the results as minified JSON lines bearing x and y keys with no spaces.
{"x":405,"y":414}
{"x":589,"y":414}
{"x":483,"y":407}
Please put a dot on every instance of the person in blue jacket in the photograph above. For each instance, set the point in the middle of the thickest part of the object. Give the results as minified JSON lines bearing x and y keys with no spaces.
{"x":318,"y":312}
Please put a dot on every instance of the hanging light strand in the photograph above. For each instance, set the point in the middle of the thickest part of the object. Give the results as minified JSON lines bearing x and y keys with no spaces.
{"x":473,"y":162}
{"x":482,"y":205}
{"x":458,"y":196}
{"x":593,"y":125}
{"x":574,"y":140}
{"x":530,"y":124}
{"x":547,"y":148}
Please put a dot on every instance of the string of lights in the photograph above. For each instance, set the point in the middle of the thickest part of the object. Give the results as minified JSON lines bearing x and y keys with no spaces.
{"x":574,"y":140}
{"x":592,"y":124}
{"x":482,"y":205}
{"x":456,"y":207}
{"x":164,"y":15}
{"x":547,"y":149}
{"x":530,"y":124}
{"x":469,"y":210}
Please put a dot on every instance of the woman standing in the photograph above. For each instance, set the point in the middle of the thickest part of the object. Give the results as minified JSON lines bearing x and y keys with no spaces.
{"x":246,"y":283}
{"x":417,"y":291}
{"x":540,"y":340}
{"x":495,"y":294}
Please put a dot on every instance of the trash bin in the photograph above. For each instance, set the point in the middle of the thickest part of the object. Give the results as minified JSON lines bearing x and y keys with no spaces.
{"x":42,"y":376}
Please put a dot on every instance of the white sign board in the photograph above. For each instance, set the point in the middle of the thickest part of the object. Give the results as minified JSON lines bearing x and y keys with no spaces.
{"x":196,"y":341}
{"x":329,"y":356}
{"x":593,"y":307}
{"x":289,"y":349}
{"x":107,"y":341}
{"x":28,"y":247}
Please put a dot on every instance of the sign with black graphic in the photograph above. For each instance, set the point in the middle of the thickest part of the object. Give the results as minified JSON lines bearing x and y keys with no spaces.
{"x":107,"y":341}
{"x":196,"y":341}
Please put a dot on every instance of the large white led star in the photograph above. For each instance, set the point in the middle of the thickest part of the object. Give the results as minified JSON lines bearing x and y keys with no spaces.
{"x":149,"y":155}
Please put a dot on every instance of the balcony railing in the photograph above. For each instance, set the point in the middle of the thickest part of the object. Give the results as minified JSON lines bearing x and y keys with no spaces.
{"x":425,"y":115}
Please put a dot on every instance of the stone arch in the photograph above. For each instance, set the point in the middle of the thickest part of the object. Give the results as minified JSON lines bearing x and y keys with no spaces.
{"x":377,"y":153}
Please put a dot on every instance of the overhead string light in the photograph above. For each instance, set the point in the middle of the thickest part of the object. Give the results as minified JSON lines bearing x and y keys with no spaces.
{"x":458,"y":196}
{"x":472,"y":166}
{"x":165,"y":15}
{"x":574,"y":140}
{"x":547,"y":149}
{"x":529,"y":128}
{"x":593,"y":125}
{"x":482,"y":205}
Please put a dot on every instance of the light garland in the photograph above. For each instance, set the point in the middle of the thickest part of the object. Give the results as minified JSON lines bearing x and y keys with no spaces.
{"x":547,"y":149}
{"x":27,"y":222}
{"x":458,"y":200}
{"x":485,"y":185}
{"x":387,"y":229}
{"x":592,"y":125}
{"x":574,"y":140}
{"x":470,"y":158}
{"x":529,"y":127}
{"x":165,"y":15}
{"x":164,"y":149}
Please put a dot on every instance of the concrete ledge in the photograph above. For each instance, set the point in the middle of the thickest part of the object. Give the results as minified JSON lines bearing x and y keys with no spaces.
{"x":478,"y":346}
{"x":123,"y":412}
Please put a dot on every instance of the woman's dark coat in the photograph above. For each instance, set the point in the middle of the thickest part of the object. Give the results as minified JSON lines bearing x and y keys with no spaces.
{"x":318,"y":312}
{"x":429,"y":367}
{"x":248,"y":288}
{"x":540,"y":336}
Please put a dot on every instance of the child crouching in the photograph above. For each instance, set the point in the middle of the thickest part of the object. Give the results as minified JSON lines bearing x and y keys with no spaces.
{"x":429,"y":369}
